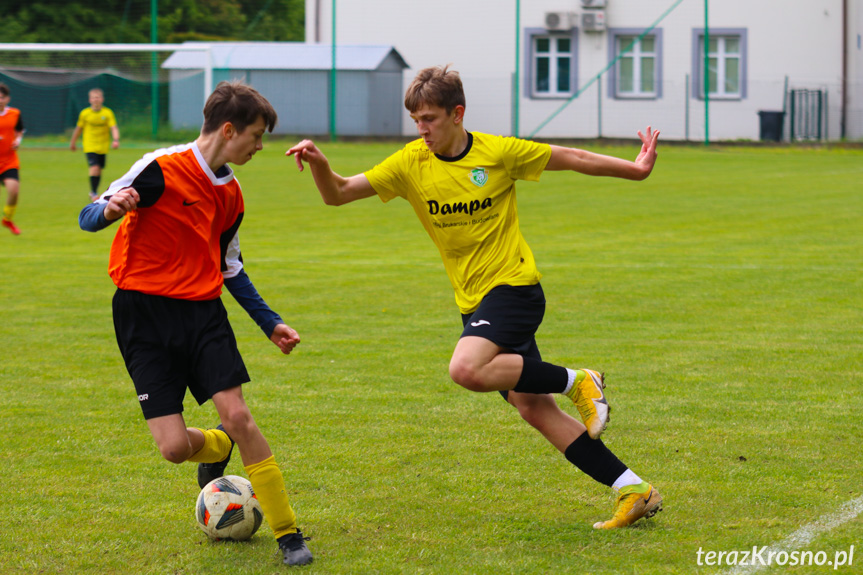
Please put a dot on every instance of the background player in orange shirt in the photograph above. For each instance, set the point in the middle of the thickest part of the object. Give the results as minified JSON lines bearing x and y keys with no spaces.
{"x":174,"y":250}
{"x":11,"y":133}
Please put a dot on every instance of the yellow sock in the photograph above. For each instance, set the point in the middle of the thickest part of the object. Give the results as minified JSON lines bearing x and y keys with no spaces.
{"x":216,"y":447}
{"x":269,"y":486}
{"x":8,"y":212}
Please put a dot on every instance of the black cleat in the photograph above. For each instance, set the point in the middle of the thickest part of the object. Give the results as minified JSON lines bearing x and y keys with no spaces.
{"x":210,"y":471}
{"x":293,"y":546}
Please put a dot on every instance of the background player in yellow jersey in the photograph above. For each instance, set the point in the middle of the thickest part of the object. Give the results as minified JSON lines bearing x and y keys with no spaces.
{"x":462,"y":187}
{"x":100,"y":134}
{"x":11,"y":133}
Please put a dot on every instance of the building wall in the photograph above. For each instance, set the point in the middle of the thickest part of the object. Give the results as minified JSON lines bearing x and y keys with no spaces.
{"x":795,"y":39}
{"x":367,"y":102}
{"x":385,"y":95}
{"x":185,"y":99}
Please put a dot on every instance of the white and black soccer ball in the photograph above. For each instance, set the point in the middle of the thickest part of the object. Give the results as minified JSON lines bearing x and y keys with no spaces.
{"x":227,"y":508}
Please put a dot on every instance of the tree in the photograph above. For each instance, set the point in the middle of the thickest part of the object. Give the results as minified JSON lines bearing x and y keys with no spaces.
{"x":128,"y":21}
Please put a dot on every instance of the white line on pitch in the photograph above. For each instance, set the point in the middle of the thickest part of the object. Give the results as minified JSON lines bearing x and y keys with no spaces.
{"x":807,"y":534}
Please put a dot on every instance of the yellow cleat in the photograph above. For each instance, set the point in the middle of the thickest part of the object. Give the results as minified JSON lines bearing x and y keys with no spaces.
{"x":588,"y":398}
{"x":631,"y":507}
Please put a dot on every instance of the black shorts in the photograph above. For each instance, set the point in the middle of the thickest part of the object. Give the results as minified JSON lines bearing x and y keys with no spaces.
{"x":94,"y":159}
{"x":9,"y":175}
{"x":170,"y":345}
{"x":509,"y":317}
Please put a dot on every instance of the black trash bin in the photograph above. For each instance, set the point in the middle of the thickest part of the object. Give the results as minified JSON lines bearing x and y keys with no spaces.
{"x":771,"y":125}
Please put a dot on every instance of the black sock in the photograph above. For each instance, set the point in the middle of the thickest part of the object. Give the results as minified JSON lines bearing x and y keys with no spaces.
{"x":541,"y":377}
{"x":595,"y":459}
{"x":94,"y":184}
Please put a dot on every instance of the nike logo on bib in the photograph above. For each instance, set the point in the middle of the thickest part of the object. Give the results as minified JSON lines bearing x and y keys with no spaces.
{"x":479,"y":323}
{"x":185,"y":203}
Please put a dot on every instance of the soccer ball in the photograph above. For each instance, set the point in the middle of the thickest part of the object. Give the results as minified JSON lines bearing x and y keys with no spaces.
{"x":228,"y":508}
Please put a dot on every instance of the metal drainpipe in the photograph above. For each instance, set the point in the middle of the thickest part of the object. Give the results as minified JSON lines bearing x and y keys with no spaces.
{"x":317,"y":21}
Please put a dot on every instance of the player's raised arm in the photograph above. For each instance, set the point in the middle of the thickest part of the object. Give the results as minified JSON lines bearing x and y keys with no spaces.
{"x":593,"y":164}
{"x":335,"y":190}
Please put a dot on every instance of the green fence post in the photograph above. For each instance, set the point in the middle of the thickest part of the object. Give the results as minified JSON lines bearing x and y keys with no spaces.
{"x":333,"y":78}
{"x":599,"y":105}
{"x":154,"y":66}
{"x":517,"y":87}
{"x":686,"y":119}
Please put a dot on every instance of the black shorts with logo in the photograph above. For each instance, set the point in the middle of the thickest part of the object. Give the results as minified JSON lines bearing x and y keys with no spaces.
{"x":94,"y":159}
{"x":509,"y":317}
{"x":170,"y":345}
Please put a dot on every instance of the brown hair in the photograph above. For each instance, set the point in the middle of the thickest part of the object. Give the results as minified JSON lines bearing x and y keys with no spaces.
{"x":239,"y":104}
{"x":436,"y":86}
{"x":4,"y":89}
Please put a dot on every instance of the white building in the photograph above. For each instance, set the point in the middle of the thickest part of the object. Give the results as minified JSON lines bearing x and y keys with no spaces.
{"x":295,"y":76}
{"x":588,"y":68}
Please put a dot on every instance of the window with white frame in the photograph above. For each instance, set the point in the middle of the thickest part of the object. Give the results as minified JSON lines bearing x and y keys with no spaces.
{"x":637,"y":64}
{"x":726,"y":64}
{"x":551,"y":62}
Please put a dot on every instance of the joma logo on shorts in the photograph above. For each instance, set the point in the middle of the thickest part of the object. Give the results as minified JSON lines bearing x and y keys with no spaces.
{"x":144,"y":397}
{"x":458,"y":207}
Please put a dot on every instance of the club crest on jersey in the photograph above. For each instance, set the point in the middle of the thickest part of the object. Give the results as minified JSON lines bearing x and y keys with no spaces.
{"x":479,"y":176}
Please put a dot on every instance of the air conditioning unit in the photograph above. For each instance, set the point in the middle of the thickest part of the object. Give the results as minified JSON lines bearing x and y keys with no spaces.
{"x":558,"y":21}
{"x":593,"y":3}
{"x":593,"y":21}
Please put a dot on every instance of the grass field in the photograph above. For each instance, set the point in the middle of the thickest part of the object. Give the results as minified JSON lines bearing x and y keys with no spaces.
{"x":723,"y":297}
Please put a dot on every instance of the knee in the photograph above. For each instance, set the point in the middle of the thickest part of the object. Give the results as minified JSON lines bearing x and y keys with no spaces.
{"x":238,"y":423}
{"x":176,"y":451}
{"x":466,"y":375}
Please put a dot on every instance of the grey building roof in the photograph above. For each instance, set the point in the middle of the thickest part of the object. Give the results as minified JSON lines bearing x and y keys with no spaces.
{"x":282,"y":56}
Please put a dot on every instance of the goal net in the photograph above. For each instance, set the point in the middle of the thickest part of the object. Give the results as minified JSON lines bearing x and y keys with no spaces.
{"x":50,"y":83}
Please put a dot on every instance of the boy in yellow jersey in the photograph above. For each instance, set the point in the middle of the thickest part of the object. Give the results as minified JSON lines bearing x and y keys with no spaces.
{"x":176,"y":247}
{"x":11,"y":134}
{"x":100,"y":134}
{"x":462,"y":187}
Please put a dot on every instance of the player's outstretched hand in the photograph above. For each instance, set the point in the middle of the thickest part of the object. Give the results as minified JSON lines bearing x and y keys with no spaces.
{"x":121,"y":203}
{"x":647,"y":156}
{"x":308,"y":151}
{"x":285,"y":337}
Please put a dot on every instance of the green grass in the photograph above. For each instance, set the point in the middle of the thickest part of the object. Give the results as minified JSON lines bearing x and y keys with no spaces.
{"x":722,"y":296}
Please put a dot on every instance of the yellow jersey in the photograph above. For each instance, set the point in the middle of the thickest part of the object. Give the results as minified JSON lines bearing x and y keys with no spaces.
{"x":96,"y":129}
{"x":467,"y":205}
